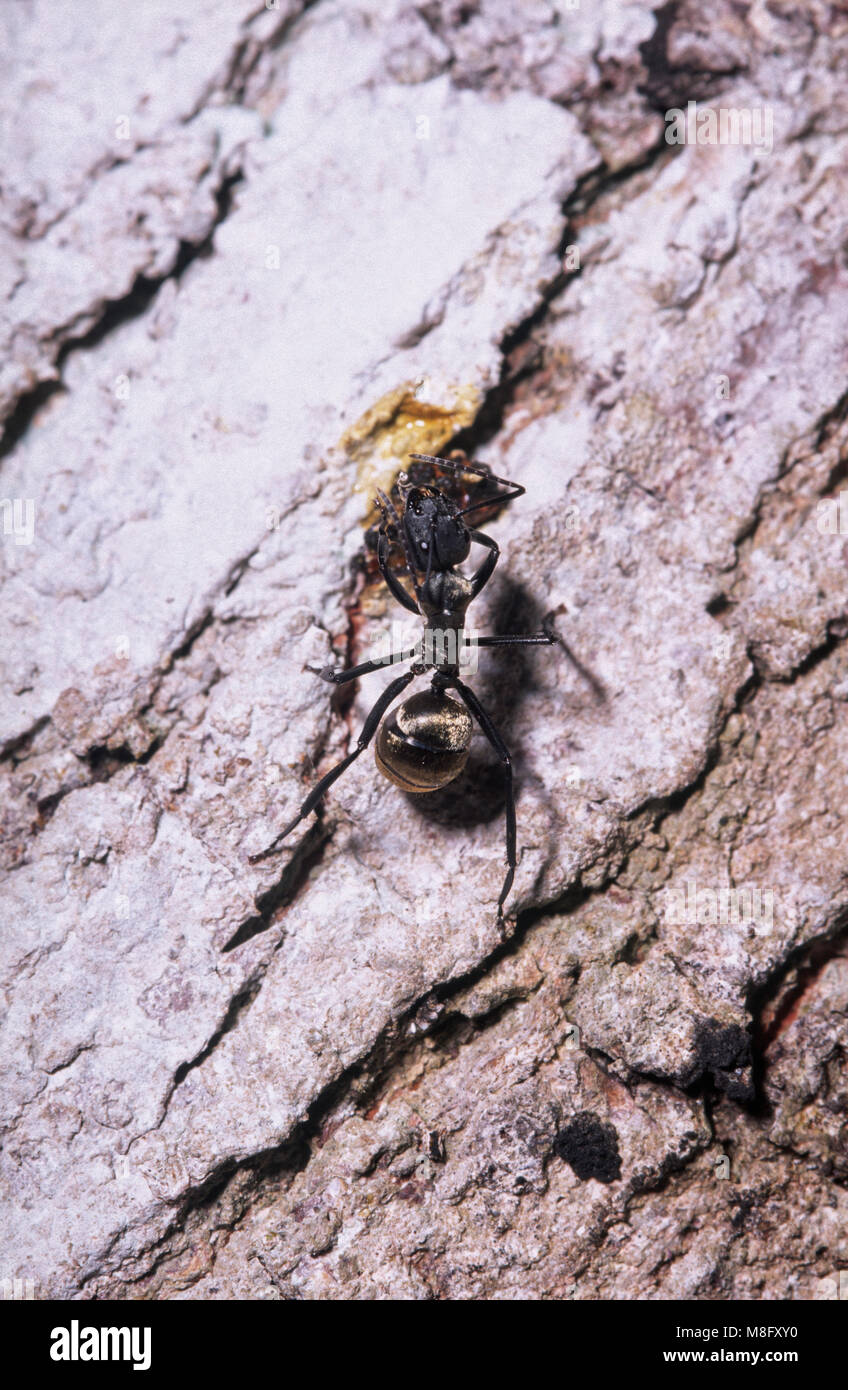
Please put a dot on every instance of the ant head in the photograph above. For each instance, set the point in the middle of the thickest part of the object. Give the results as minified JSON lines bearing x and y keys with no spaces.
{"x":437,"y":535}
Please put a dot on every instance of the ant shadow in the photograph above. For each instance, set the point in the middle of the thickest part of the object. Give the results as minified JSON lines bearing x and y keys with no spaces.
{"x":504,"y":679}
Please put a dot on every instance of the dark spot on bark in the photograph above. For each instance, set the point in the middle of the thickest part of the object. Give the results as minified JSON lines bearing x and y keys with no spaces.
{"x":591,"y":1147}
{"x":668,"y":84}
{"x":434,"y":1145}
{"x":724,"y":1052}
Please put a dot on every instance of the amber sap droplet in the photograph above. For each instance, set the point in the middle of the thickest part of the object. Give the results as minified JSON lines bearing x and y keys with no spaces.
{"x":423,"y":744}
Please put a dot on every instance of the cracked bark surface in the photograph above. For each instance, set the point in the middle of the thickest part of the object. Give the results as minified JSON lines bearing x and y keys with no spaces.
{"x":334,"y":235}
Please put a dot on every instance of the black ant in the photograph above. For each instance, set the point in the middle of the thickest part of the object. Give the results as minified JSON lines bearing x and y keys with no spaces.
{"x":425,"y":742}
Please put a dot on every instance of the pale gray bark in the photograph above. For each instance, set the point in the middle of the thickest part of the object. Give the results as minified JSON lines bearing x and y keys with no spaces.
{"x":226,"y":284}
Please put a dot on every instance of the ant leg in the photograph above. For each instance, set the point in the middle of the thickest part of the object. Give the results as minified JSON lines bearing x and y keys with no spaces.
{"x":395,"y":587}
{"x":484,"y":573}
{"x":503,"y":753}
{"x":369,"y":729}
{"x":597,"y":686}
{"x":390,"y":517}
{"x":342,"y":677}
{"x":548,"y":637}
{"x":536,"y":640}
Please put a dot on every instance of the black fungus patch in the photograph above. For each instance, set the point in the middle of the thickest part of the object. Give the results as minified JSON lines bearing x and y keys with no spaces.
{"x":723,"y":1051}
{"x":590,"y":1146}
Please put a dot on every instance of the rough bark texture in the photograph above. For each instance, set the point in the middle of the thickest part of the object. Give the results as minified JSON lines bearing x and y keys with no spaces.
{"x":252,"y":257}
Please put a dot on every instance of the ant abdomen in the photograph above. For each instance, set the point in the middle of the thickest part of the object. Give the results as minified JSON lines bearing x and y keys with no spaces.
{"x":423,"y":744}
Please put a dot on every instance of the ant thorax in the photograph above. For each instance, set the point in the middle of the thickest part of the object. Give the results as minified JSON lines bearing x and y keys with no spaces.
{"x":444,"y":599}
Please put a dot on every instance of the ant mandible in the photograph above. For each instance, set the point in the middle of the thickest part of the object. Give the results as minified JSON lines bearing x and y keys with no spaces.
{"x":425,"y":742}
